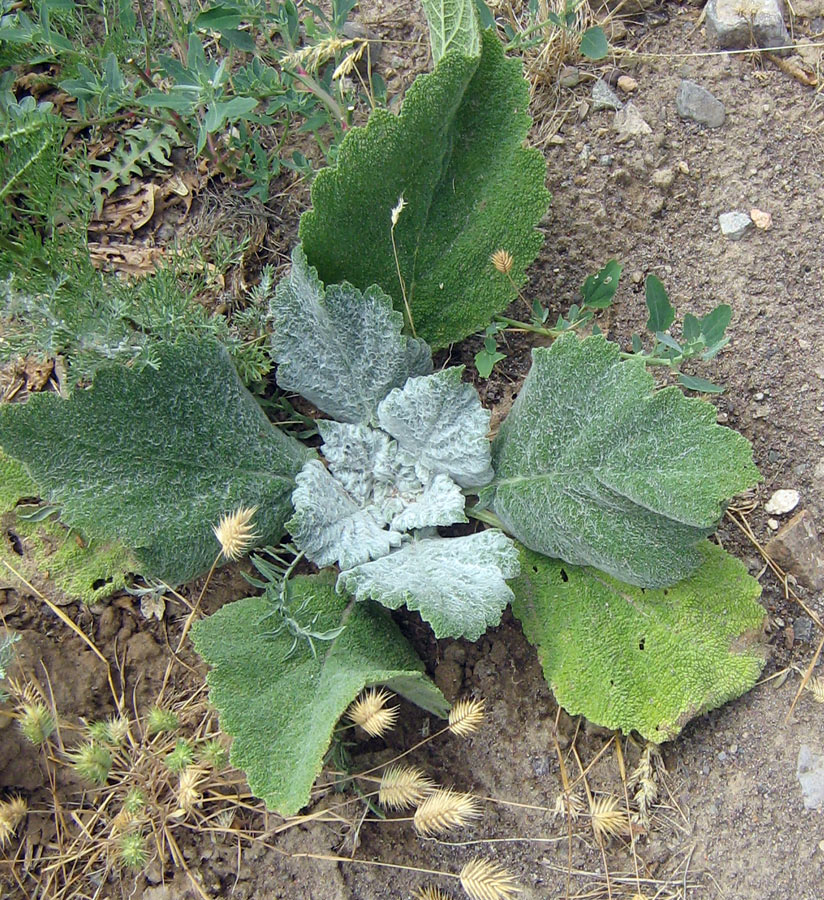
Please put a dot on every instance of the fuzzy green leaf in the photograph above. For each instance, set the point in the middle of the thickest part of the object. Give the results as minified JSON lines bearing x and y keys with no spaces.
{"x":594,"y":467}
{"x":453,"y":25}
{"x":281,"y":708}
{"x":51,"y":558}
{"x":643,"y":660}
{"x":155,"y":458}
{"x":341,"y":349}
{"x":455,"y":153}
{"x":457,"y":584}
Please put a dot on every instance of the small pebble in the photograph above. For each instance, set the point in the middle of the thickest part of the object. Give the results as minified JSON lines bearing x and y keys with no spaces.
{"x":627,"y":84}
{"x":761,"y":219}
{"x":663,"y":178}
{"x":734,"y":225}
{"x":569,"y":77}
{"x":772,"y":524}
{"x":603,"y":97}
{"x":683,"y":168}
{"x":782,"y":502}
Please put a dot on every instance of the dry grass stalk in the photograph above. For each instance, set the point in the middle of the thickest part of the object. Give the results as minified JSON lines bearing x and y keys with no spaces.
{"x":445,"y":809}
{"x":371,"y":713}
{"x":234,"y":532}
{"x":607,"y":818}
{"x":466,"y":716}
{"x":403,"y":786}
{"x":486,"y":880}
{"x":12,"y":813}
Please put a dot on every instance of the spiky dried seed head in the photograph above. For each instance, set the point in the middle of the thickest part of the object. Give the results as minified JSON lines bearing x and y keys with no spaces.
{"x":816,"y":687}
{"x":397,"y":209}
{"x":113,"y":730}
{"x":483,"y":879}
{"x":12,"y":813}
{"x":372,"y":714}
{"x":36,"y":721}
{"x":444,"y":809}
{"x":466,"y":716}
{"x":188,"y":795}
{"x":403,"y":786}
{"x":430,"y":893}
{"x":607,"y":819}
{"x":234,"y":532}
{"x":568,"y":805}
{"x":502,"y":260}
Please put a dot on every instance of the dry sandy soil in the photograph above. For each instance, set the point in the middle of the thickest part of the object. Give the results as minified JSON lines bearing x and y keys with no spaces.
{"x":732,"y":823}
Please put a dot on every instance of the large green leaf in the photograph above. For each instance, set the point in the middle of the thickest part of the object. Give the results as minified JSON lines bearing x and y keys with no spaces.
{"x":54,"y":560}
{"x":281,"y":703}
{"x":453,"y":25}
{"x":455,"y":153}
{"x":643,"y":660}
{"x":594,"y":467}
{"x":155,"y":458}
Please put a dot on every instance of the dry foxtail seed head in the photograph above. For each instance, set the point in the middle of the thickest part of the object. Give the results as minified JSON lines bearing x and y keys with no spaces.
{"x":486,"y":880}
{"x":429,"y":893}
{"x":234,"y":532}
{"x":607,"y":819}
{"x":466,"y":716}
{"x":816,"y":687}
{"x":397,"y":210}
{"x":502,"y":260}
{"x":445,"y":809}
{"x":568,"y":805}
{"x":403,"y":786}
{"x":12,"y":812}
{"x":371,"y":713}
{"x":188,"y":795}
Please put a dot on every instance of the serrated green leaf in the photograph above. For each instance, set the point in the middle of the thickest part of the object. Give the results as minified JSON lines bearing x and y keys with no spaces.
{"x":642,"y":660}
{"x":50,"y":557}
{"x":593,"y":467}
{"x":440,"y":421}
{"x":594,"y":43}
{"x":599,"y":289}
{"x":714,"y":324}
{"x":341,"y":349}
{"x":281,"y":709}
{"x":453,"y":25}
{"x":457,"y":584}
{"x":156,"y":457}
{"x":661,"y":313}
{"x":455,"y":154}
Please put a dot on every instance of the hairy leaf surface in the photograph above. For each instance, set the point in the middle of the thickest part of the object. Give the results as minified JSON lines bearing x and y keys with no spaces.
{"x":281,"y":709}
{"x":593,"y":467}
{"x":643,"y":660}
{"x":455,"y":155}
{"x":457,"y":584}
{"x":49,"y":556}
{"x":341,"y":349}
{"x":453,"y":25}
{"x":330,"y":527}
{"x":155,"y":458}
{"x":441,"y":422}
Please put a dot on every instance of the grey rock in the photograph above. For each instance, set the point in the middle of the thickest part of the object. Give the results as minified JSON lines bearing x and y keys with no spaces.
{"x":808,"y":9}
{"x":803,"y":629}
{"x":735,"y":27}
{"x":697,"y":103}
{"x":810,"y":773}
{"x":603,"y":97}
{"x":569,"y":77}
{"x":734,"y":225}
{"x":629,"y":123}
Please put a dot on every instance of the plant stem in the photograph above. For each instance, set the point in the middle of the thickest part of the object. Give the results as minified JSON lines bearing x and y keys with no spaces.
{"x":515,"y":325}
{"x":485,"y":515}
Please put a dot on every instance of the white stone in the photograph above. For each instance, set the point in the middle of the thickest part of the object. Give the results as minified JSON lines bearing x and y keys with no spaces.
{"x":772,"y":524}
{"x":782,"y":502}
{"x":734,"y":225}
